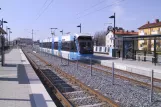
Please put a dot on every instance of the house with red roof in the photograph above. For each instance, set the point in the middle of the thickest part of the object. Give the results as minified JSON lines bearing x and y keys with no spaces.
{"x":119,"y":33}
{"x":153,"y":28}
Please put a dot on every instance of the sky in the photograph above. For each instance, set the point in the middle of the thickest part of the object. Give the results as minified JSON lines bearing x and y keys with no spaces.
{"x":24,"y":15}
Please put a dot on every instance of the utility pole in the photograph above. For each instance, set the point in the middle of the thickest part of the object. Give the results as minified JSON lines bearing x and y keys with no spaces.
{"x":32,"y":38}
{"x":7,"y":35}
{"x":53,"y":33}
{"x":114,"y":27}
{"x":61,"y":32}
{"x":2,"y":42}
{"x":9,"y":31}
{"x":114,"y":31}
{"x":80,"y":26}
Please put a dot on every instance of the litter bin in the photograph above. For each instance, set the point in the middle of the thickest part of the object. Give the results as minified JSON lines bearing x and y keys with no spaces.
{"x":114,"y":52}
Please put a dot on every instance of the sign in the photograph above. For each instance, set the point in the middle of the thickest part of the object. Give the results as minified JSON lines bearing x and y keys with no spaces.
{"x":110,"y":28}
{"x":112,"y":38}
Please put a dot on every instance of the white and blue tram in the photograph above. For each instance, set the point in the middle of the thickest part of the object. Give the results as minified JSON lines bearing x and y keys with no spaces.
{"x":73,"y":46}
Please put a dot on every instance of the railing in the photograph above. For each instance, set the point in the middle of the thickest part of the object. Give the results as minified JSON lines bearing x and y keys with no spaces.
{"x":147,"y":56}
{"x":101,"y":49}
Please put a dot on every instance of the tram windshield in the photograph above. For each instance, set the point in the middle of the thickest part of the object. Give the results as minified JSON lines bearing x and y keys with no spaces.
{"x":85,"y":46}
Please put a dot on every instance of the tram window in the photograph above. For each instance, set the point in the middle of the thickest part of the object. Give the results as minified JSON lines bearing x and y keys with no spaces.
{"x":55,"y":45}
{"x":49,"y":45}
{"x":43,"y":45}
{"x":73,"y":47}
{"x":66,"y":46}
{"x":85,"y":44}
{"x":46,"y":45}
{"x":89,"y":44}
{"x":82,"y":44}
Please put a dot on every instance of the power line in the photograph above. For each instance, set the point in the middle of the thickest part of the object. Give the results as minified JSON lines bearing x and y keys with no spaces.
{"x":100,"y":9}
{"x":43,"y":6}
{"x":91,"y":7}
{"x":44,"y":10}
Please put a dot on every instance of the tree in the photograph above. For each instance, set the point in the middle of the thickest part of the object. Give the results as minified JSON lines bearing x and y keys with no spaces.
{"x":100,"y":38}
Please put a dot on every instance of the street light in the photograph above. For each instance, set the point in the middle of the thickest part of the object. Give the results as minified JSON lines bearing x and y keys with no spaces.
{"x":53,"y":33}
{"x":61,"y":32}
{"x":3,"y":41}
{"x":114,"y":27}
{"x":2,"y":21}
{"x":80,"y":26}
{"x":9,"y":35}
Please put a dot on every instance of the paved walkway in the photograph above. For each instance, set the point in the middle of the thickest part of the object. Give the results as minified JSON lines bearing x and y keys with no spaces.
{"x":19,"y":85}
{"x":130,"y":65}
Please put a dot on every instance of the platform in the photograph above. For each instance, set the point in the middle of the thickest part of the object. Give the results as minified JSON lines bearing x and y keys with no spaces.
{"x":20,"y":86}
{"x":139,"y":67}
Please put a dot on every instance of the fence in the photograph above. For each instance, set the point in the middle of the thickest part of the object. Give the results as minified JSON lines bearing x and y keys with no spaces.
{"x":101,"y":49}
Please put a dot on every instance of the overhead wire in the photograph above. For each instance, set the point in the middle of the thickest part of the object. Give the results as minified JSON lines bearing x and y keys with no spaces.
{"x":43,"y":5}
{"x":44,"y":10}
{"x":91,"y":7}
{"x":100,"y":9}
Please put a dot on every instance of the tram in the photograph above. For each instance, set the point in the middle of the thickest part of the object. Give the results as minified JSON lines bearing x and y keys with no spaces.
{"x":69,"y":46}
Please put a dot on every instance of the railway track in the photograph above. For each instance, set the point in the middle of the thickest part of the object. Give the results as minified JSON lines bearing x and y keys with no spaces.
{"x":134,"y":78}
{"x":69,"y":90}
{"x":125,"y":75}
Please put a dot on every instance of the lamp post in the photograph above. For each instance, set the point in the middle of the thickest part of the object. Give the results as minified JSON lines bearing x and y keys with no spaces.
{"x":53,"y":33}
{"x":114,"y":27}
{"x":3,"y":22}
{"x":9,"y":35}
{"x":2,"y":41}
{"x":61,"y":32}
{"x":80,"y":26}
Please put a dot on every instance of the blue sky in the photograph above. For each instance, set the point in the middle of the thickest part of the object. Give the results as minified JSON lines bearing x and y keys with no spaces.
{"x":67,"y":14}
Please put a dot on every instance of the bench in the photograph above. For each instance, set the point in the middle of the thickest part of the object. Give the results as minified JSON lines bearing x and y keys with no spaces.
{"x":142,"y":56}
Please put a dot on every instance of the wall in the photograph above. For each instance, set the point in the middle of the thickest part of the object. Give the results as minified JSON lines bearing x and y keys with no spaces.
{"x":148,"y":31}
{"x":109,"y":42}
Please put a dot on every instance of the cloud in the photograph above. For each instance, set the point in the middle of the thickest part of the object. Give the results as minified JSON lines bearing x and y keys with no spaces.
{"x":119,"y":11}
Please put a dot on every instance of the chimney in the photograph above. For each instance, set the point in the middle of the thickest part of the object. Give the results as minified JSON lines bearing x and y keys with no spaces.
{"x":132,"y":30}
{"x":156,"y":20}
{"x":148,"y":22}
{"x":127,"y":31}
{"x":122,"y":30}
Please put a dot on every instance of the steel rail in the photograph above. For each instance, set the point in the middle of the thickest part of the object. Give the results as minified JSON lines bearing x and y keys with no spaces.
{"x":156,"y":88}
{"x":58,"y":94}
{"x":77,"y":82}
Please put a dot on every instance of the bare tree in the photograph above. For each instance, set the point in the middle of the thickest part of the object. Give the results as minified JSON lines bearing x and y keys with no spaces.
{"x":100,"y":37}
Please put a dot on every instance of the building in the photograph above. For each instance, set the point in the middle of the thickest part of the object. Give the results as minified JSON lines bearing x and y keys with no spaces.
{"x":149,"y":29}
{"x":119,"y":33}
{"x":118,"y":37}
{"x":23,"y":41}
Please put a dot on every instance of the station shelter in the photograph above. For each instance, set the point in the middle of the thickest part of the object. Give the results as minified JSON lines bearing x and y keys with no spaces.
{"x":142,"y":47}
